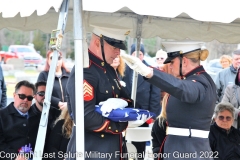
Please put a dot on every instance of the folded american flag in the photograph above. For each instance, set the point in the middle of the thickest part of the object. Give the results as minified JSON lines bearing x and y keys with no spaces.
{"x":125,"y":114}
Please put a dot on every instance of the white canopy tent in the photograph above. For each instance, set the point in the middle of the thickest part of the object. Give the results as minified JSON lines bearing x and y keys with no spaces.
{"x":200,"y":20}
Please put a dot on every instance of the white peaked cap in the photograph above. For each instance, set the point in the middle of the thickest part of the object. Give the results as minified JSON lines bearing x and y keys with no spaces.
{"x":115,"y":32}
{"x":184,"y":46}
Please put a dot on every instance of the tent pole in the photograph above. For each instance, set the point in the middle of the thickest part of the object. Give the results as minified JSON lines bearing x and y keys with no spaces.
{"x":135,"y":74}
{"x":79,"y":50}
{"x":40,"y":141}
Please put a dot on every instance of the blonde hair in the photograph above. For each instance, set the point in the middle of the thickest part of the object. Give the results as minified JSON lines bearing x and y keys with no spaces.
{"x":68,"y":122}
{"x":121,"y":67}
{"x":163,"y":114}
{"x":198,"y":55}
{"x":227,"y":57}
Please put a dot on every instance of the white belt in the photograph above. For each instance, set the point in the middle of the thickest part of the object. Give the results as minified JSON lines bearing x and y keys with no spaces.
{"x":187,"y":132}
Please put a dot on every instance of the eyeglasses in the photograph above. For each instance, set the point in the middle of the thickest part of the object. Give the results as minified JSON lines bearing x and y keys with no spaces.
{"x":23,"y":96}
{"x":221,"y":118}
{"x":59,"y":58}
{"x":161,"y":58}
{"x":41,"y":93}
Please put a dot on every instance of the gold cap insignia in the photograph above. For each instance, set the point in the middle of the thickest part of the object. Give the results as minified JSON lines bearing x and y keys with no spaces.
{"x":127,"y":33}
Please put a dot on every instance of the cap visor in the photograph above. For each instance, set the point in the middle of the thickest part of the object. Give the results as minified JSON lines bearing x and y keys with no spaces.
{"x":117,"y":45}
{"x":168,"y":60}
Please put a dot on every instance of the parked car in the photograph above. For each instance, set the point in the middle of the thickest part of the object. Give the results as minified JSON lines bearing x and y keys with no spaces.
{"x":27,"y":53}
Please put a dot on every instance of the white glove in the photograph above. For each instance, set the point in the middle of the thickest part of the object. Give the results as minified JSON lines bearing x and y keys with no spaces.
{"x":133,"y":124}
{"x":122,"y":83}
{"x":136,"y":64}
{"x":112,"y":103}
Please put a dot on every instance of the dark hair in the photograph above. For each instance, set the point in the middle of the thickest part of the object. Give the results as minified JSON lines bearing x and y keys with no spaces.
{"x":133,"y":48}
{"x":47,"y":66}
{"x":38,"y":84}
{"x":26,"y":84}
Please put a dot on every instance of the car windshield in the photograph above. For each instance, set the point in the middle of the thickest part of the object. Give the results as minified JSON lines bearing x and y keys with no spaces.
{"x":25,"y":49}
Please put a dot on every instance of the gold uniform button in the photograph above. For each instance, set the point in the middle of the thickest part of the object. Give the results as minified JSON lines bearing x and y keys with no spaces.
{"x":102,"y":135}
{"x":112,"y":87}
{"x":106,"y":91}
{"x":116,"y":130}
{"x":109,"y":127}
{"x":116,"y":95}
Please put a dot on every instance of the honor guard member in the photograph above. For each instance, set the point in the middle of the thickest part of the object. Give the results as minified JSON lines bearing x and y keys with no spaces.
{"x":101,"y":85}
{"x":191,"y":102}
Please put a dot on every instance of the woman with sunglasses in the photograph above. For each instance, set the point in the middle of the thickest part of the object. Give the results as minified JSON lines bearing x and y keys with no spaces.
{"x":58,"y":99}
{"x":224,"y":138}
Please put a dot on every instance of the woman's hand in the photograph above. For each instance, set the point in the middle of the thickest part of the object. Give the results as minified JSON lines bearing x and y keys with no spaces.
{"x":62,"y":105}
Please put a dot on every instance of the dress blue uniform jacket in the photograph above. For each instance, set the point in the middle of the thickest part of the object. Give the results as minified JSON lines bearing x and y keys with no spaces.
{"x":148,"y":95}
{"x":190,"y":105}
{"x":101,"y":134}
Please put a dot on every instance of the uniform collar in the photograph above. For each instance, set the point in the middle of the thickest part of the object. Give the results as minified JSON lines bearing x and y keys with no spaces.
{"x":197,"y":70}
{"x":96,"y":60}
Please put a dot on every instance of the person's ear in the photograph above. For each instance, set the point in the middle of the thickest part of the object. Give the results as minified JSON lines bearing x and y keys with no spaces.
{"x":185,"y":61}
{"x":97,"y":42}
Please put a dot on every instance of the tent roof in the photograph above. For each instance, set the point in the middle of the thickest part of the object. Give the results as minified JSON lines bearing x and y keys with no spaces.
{"x":173,"y":19}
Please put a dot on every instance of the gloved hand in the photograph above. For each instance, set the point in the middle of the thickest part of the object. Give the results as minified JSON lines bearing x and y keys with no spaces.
{"x":136,"y":64}
{"x":122,"y":83}
{"x":112,"y":103}
{"x":133,"y":124}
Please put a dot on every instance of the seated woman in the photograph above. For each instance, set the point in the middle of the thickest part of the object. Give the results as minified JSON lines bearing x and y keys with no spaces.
{"x":60,"y":135}
{"x":224,"y":138}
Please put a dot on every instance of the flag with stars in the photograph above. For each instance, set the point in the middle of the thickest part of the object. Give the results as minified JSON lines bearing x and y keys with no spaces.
{"x":125,"y":114}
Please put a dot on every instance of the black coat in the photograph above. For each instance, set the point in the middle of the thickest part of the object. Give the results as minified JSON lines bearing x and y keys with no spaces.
{"x":17,"y":131}
{"x":3,"y":90}
{"x":56,"y":92}
{"x":158,"y":135}
{"x":225,"y":146}
{"x":57,"y":142}
{"x":148,"y":95}
{"x":101,"y":134}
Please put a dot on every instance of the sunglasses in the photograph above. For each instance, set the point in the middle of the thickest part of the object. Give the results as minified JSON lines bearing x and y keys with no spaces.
{"x":221,"y":118}
{"x":41,"y":93}
{"x":161,"y":58}
{"x":23,"y":96}
{"x":59,"y":58}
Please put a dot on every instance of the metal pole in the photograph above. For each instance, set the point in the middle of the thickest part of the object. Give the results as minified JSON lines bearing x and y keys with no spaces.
{"x":135,"y":74}
{"x":51,"y":75}
{"x":79,"y":50}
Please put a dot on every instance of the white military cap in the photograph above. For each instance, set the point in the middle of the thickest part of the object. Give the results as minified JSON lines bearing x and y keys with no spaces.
{"x":113,"y":35}
{"x":175,"y":48}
